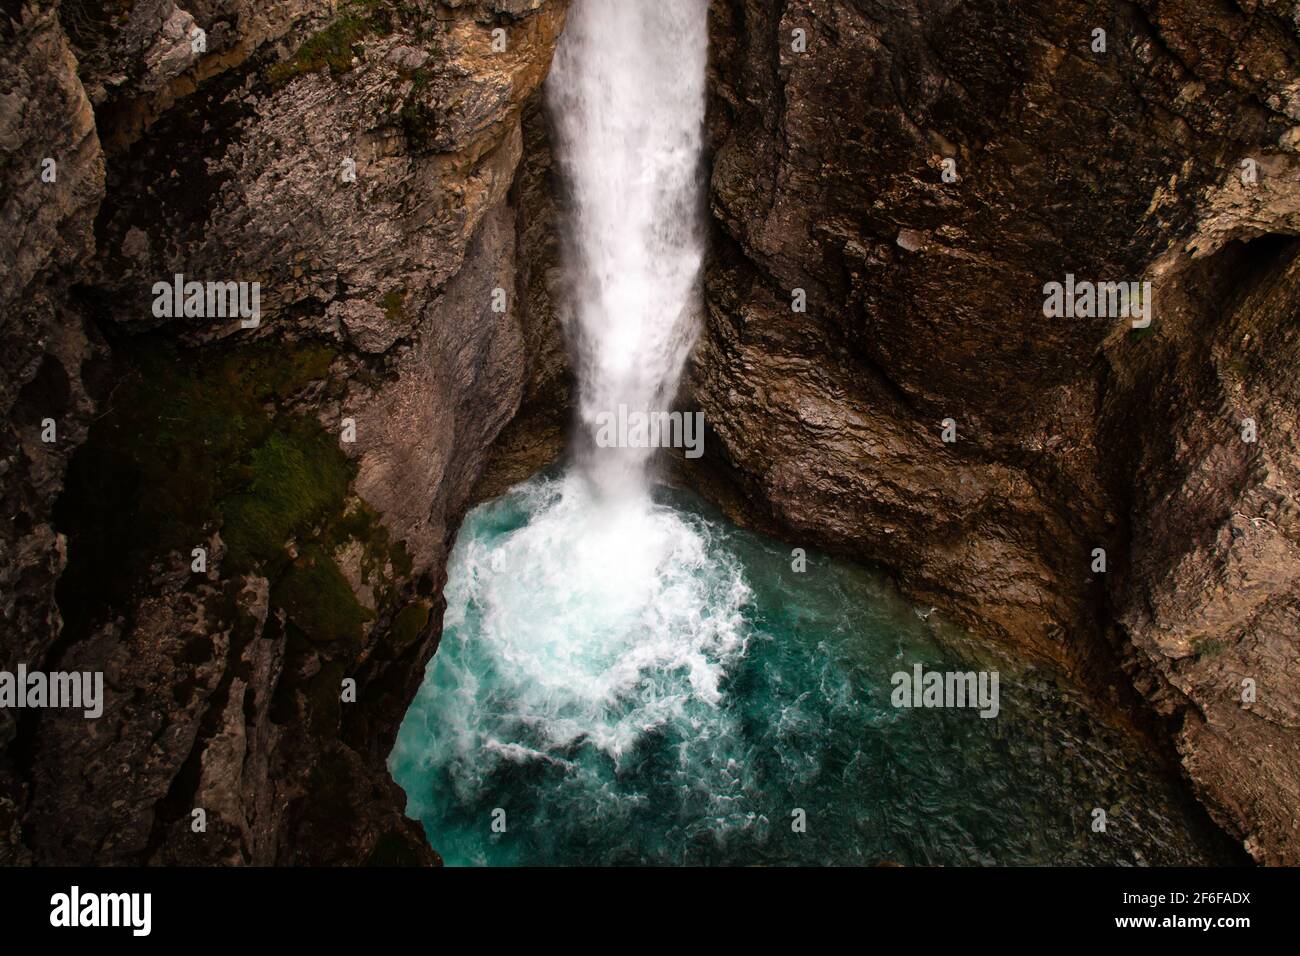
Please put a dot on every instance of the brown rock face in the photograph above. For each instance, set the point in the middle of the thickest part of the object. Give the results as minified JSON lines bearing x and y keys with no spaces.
{"x":359,"y":162}
{"x":917,"y":173}
{"x":535,"y":437}
{"x":52,"y":168}
{"x":1211,"y":599}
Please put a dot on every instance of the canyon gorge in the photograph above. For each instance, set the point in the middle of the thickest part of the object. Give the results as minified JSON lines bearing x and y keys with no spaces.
{"x":912,"y":172}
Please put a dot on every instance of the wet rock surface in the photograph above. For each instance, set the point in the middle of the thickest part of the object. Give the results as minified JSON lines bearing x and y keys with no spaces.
{"x":358,"y":162}
{"x":924,"y":303}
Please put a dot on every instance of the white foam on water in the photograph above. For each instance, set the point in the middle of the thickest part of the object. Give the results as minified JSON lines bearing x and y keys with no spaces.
{"x":578,"y":634}
{"x":605,"y":618}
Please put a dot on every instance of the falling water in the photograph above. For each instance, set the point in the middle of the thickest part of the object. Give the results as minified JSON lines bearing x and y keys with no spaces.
{"x":624,"y":677}
{"x":626,"y":92}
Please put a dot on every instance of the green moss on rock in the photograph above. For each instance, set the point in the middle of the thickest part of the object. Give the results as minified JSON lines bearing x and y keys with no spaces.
{"x":418,"y":115}
{"x":332,"y":47}
{"x":1211,"y":648}
{"x":298,"y":478}
{"x":408,"y":624}
{"x":384,"y":562}
{"x":197,"y":441}
{"x":180,"y":441}
{"x":394,"y":305}
{"x":319,"y":600}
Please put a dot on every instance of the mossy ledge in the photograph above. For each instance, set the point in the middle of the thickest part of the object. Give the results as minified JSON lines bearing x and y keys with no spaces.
{"x":332,"y":46}
{"x":199,"y":442}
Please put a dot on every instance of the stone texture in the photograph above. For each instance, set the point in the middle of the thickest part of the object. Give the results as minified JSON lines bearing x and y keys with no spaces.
{"x":535,"y":437}
{"x":45,"y":238}
{"x":224,"y":694}
{"x":1208,"y":595}
{"x":924,"y":303}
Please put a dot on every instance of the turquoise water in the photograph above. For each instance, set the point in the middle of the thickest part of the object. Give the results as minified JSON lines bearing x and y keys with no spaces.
{"x":646,"y":683}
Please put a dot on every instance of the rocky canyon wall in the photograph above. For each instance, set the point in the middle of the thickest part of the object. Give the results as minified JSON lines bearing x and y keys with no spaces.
{"x":361,"y":162}
{"x":914,"y":174}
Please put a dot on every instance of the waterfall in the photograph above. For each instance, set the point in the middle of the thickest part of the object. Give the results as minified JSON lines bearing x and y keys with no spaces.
{"x":623,"y":676}
{"x":587,"y":621}
{"x":626,"y":95}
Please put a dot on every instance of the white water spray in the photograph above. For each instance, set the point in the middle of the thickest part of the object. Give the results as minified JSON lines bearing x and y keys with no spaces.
{"x":605,"y":620}
{"x":626,"y":93}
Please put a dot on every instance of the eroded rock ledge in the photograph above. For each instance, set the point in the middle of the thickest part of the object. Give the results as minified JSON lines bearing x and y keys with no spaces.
{"x":231,"y":161}
{"x":925,"y":302}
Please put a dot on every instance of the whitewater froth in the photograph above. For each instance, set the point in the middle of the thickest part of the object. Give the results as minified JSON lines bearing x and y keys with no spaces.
{"x":605,"y":619}
{"x":568,"y":633}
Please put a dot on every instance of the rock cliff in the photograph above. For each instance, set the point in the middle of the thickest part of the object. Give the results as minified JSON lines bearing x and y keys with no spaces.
{"x":359,"y":161}
{"x":913,"y":175}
